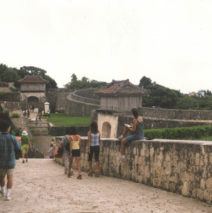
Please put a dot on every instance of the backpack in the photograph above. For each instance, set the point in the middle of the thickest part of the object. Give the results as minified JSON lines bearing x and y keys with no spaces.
{"x":18,"y":152}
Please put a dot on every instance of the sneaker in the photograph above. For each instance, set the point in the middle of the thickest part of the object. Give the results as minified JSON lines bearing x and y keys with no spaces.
{"x":3,"y":193}
{"x":71,"y":173}
{"x":8,"y":198}
{"x":79,"y":177}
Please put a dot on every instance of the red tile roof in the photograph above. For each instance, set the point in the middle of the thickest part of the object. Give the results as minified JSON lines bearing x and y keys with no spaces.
{"x":33,"y":79}
{"x":120,"y":88}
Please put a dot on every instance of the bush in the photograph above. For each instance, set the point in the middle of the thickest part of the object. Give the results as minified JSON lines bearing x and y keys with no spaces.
{"x":194,"y":132}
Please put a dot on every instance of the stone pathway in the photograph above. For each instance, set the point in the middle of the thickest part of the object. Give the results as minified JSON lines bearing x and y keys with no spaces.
{"x":41,"y":187}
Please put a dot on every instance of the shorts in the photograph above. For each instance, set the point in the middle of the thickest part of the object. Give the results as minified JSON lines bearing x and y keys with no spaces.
{"x":95,"y":150}
{"x":25,"y":148}
{"x":75,"y":152}
{"x":4,"y":172}
{"x":134,"y":137}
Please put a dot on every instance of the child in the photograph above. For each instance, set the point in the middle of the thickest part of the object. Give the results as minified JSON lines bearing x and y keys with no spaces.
{"x":93,"y":147}
{"x":25,"y":146}
{"x":75,"y":145}
{"x":51,"y":150}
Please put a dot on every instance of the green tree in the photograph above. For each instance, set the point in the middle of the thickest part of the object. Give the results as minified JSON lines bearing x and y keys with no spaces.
{"x":83,"y":83}
{"x":145,"y":82}
{"x":30,"y":70}
{"x":3,"y":69}
{"x":10,"y":75}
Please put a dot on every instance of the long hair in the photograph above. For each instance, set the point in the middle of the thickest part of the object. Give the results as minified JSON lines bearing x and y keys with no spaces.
{"x":135,"y":112}
{"x":73,"y":130}
{"x":94,"y":127}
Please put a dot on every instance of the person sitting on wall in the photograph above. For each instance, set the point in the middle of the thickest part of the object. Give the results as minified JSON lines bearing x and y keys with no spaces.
{"x":136,"y":128}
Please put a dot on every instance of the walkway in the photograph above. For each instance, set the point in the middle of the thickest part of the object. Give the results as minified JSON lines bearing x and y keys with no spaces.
{"x":41,"y":187}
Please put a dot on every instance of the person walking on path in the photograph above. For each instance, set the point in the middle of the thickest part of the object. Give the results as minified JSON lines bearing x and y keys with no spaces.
{"x":93,"y":147}
{"x":137,"y":131}
{"x":25,"y":146}
{"x":66,"y":150}
{"x":8,"y":146}
{"x":75,"y":145}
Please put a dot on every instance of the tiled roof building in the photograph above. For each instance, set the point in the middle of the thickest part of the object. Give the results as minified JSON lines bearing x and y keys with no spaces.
{"x":120,"y":96}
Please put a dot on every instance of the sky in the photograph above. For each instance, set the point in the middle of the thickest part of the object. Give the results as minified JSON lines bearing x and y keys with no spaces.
{"x":168,"y":41}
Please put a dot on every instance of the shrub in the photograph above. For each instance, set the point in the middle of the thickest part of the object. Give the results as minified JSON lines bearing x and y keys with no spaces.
{"x":194,"y":132}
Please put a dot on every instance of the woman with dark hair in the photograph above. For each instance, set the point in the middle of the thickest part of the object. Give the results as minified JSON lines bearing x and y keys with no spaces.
{"x":75,"y":145}
{"x":137,"y":131}
{"x":93,"y":147}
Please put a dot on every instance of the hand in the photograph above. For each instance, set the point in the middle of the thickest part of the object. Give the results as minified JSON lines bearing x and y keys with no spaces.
{"x":89,"y":150}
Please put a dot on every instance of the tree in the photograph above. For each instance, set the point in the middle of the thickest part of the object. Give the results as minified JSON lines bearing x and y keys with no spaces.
{"x":30,"y":70}
{"x":3,"y":69}
{"x":83,"y":83}
{"x":73,"y":77}
{"x":10,"y":75}
{"x":145,"y":82}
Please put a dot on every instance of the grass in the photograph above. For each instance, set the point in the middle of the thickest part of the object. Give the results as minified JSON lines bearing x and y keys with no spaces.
{"x":59,"y":119}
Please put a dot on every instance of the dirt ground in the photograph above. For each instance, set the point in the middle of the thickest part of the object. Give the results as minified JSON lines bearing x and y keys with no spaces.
{"x":41,"y":187}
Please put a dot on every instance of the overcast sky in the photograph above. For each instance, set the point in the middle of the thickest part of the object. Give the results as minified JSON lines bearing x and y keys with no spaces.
{"x":169,"y":41}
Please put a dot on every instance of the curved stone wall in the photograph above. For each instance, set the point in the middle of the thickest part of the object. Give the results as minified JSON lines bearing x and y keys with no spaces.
{"x":79,"y":108}
{"x":86,"y":95}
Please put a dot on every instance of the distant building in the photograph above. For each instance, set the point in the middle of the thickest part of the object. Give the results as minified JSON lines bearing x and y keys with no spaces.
{"x":33,"y":91}
{"x":116,"y":101}
{"x":120,"y":96}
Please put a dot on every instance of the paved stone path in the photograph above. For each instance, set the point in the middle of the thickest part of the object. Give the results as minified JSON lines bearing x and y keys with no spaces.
{"x":41,"y":187}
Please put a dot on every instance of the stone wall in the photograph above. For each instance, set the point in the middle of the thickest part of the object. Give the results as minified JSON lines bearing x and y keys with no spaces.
{"x":86,"y":95}
{"x":11,"y":97}
{"x":59,"y":130}
{"x":183,"y":167}
{"x":78,"y":108}
{"x":177,"y":114}
{"x":10,"y":106}
{"x":57,"y":99}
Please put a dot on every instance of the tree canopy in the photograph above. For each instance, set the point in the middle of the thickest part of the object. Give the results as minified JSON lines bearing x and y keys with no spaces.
{"x":160,"y":96}
{"x":83,"y":83}
{"x":8,"y":74}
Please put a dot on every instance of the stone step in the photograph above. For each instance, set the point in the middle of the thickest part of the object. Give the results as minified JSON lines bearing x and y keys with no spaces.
{"x":34,"y":121}
{"x":39,"y":125}
{"x":39,"y":131}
